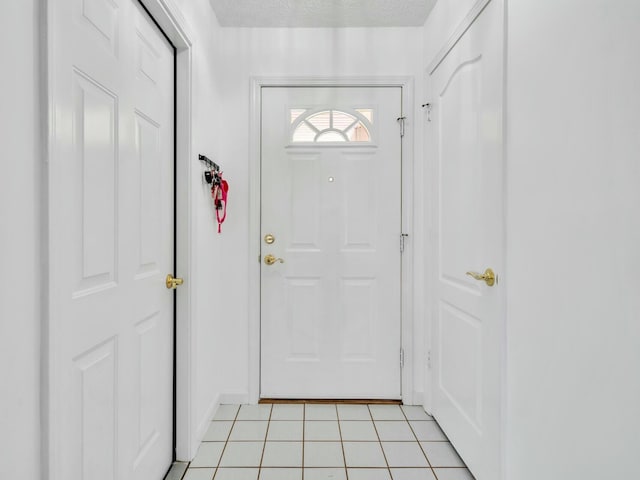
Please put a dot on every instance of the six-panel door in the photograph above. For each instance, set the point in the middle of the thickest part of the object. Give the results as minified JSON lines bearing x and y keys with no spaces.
{"x":111,"y":243}
{"x":331,"y":197}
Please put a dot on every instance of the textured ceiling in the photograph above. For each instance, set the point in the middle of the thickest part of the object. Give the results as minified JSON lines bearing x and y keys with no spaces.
{"x":322,"y":13}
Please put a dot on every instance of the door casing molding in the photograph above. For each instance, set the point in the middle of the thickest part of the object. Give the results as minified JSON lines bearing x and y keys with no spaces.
{"x":170,"y":19}
{"x":406,"y":83}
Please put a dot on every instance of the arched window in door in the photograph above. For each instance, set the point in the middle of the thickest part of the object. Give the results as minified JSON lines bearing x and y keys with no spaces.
{"x":331,"y":126}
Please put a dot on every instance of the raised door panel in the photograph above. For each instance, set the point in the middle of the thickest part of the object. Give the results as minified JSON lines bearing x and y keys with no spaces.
{"x":303,"y":300}
{"x":95,"y":413}
{"x":95,"y":185}
{"x":152,"y":343}
{"x":460,"y":165}
{"x":303,"y":202}
{"x":460,"y":365}
{"x":149,"y":201}
{"x":100,"y":21}
{"x":358,"y":298}
{"x":360,"y":212}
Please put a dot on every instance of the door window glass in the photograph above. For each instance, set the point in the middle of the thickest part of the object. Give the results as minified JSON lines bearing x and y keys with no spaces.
{"x":331,"y":126}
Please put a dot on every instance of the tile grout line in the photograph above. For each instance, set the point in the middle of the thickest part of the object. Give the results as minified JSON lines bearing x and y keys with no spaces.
{"x":419,"y":444}
{"x":264,"y":444}
{"x":304,"y":427}
{"x":380,"y":442}
{"x":235,"y":418}
{"x":344,"y":456}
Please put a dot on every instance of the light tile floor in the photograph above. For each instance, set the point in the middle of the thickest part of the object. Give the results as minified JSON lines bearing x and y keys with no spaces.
{"x":325,"y":442}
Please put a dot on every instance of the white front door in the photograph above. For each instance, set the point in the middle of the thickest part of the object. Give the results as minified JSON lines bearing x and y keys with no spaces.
{"x":331,"y":199}
{"x":465,"y":141}
{"x":111,"y":224}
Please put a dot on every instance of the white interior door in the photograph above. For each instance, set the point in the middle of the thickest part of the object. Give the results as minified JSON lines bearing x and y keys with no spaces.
{"x":466,"y":141}
{"x":111,"y":222}
{"x":331,"y":198}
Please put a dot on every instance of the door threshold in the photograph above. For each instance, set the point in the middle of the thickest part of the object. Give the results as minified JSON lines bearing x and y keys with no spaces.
{"x":177,"y":470}
{"x":343,"y":401}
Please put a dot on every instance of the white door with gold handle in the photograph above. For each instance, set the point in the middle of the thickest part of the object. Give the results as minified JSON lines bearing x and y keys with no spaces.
{"x":464,"y":378}
{"x":330,"y":308}
{"x":111,"y":201}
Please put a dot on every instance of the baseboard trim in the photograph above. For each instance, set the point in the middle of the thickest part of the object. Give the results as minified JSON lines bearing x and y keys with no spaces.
{"x":203,"y":426}
{"x":343,"y":401}
{"x":234,"y":398}
{"x":418,"y":398}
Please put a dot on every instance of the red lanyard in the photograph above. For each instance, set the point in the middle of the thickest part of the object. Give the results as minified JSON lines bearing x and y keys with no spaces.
{"x":219,"y":191}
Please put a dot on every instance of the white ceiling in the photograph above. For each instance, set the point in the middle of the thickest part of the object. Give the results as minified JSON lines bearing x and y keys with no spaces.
{"x":322,"y":13}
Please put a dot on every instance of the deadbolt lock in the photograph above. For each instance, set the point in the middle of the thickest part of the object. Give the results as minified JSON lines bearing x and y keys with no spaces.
{"x":269,"y":239}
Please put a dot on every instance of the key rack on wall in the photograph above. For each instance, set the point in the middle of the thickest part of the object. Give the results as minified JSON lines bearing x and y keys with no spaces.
{"x":210,"y":163}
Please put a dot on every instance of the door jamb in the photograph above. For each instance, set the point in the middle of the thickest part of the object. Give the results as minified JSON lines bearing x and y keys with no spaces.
{"x":170,"y":19}
{"x":407,"y":325}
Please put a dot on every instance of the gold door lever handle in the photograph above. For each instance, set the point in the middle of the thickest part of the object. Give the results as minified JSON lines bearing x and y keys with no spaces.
{"x":488,"y":276}
{"x":270,"y":259}
{"x":172,"y":283}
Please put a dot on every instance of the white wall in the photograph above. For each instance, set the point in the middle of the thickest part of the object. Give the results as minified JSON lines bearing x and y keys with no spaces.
{"x":573,"y":239}
{"x":19,"y":245}
{"x":284,"y":52}
{"x":20,"y":200}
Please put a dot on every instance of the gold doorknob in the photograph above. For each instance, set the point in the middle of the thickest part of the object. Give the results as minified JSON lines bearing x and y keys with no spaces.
{"x":270,"y":259}
{"x":488,"y":276}
{"x":172,"y":283}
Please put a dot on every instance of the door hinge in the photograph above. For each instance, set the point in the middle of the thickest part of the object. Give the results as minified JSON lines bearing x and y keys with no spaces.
{"x":401,"y":122}
{"x":429,"y":359}
{"x":402,"y":358}
{"x":403,"y":237}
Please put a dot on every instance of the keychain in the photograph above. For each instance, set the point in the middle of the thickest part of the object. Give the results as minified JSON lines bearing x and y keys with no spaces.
{"x":219,"y":189}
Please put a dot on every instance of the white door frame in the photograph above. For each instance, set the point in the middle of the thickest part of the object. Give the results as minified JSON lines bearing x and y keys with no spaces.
{"x":406,"y":83}
{"x":171,"y":21}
